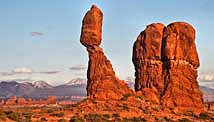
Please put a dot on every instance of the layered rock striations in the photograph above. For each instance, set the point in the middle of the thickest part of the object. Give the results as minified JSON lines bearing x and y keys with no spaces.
{"x":102,"y":83}
{"x":181,"y":60}
{"x":166,"y":62}
{"x":148,"y":63}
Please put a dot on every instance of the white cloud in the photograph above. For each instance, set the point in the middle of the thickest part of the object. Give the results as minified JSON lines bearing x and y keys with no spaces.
{"x":22,"y":70}
{"x":36,"y":34}
{"x":50,"y":72}
{"x":26,"y":70}
{"x":78,"y":67}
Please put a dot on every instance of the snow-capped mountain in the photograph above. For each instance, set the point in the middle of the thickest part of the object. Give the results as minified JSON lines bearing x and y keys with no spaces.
{"x":41,"y":89}
{"x":77,"y":81}
{"x":76,"y":87}
{"x":41,"y":84}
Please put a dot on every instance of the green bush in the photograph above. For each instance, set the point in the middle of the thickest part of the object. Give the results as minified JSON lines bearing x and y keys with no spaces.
{"x":96,"y":118}
{"x":125,"y":97}
{"x":77,"y":119}
{"x":140,"y":108}
{"x":204,"y":116}
{"x":184,"y":120}
{"x":156,"y":108}
{"x":146,"y":110}
{"x":27,"y":116}
{"x":43,"y":119}
{"x":134,"y":119}
{"x":51,"y":110}
{"x":94,"y":101}
{"x":116,"y":115}
{"x":62,"y":120}
{"x":2,"y":115}
{"x":106,"y":116}
{"x":125,"y":107}
{"x":140,"y":97}
{"x":14,"y":116}
{"x":189,"y":113}
{"x":61,"y":114}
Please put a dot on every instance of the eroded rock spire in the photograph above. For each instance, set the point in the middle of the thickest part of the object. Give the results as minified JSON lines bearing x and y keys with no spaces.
{"x":102,"y":83}
{"x":166,"y":62}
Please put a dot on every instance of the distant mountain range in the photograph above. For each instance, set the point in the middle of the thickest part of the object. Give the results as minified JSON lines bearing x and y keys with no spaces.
{"x":41,"y":89}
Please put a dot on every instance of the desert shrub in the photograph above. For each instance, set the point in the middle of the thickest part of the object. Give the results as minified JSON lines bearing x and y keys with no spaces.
{"x":35,"y":107}
{"x":125,"y":120}
{"x":147,"y":101}
{"x":184,"y":120}
{"x":62,"y":120}
{"x":74,"y":105}
{"x":94,"y":101}
{"x":156,"y":108}
{"x":140,"y":97}
{"x":96,"y":118}
{"x":116,"y":115}
{"x":14,"y":116}
{"x":188,"y":113}
{"x":204,"y":116}
{"x":140,"y":108}
{"x":27,"y":116}
{"x":77,"y":119}
{"x":61,"y":114}
{"x":125,"y":97}
{"x":107,"y":109}
{"x":2,"y":115}
{"x":68,"y":106}
{"x":118,"y":105}
{"x":146,"y":110}
{"x":106,"y":116}
{"x":134,"y":119}
{"x":125,"y":107}
{"x":43,"y":119}
{"x":51,"y":110}
{"x":166,"y":119}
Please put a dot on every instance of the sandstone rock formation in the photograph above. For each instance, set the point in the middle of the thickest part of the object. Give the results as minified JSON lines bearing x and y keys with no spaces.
{"x":92,"y":27}
{"x":147,"y":61}
{"x":102,"y":83}
{"x":21,"y":101}
{"x":2,"y":102}
{"x":166,"y":62}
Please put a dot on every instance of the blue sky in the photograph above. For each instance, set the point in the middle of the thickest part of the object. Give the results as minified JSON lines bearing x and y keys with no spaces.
{"x":39,"y":39}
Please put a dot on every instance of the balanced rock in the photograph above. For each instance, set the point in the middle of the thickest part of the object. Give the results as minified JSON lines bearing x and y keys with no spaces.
{"x":166,"y":62}
{"x":92,"y":27}
{"x":102,"y":83}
